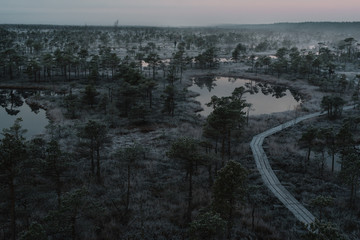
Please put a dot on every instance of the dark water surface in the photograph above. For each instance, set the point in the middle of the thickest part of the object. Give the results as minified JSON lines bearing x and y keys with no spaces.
{"x":13,"y":106}
{"x":265,"y":98}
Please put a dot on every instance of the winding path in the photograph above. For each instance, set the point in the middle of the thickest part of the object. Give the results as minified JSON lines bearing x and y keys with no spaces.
{"x":268,"y":175}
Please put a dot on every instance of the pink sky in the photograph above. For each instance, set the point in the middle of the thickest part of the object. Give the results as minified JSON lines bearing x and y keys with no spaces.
{"x":176,"y":12}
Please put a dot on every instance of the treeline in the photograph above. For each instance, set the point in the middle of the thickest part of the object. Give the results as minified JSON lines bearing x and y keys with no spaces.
{"x":337,"y":27}
{"x":318,"y":67}
{"x":48,"y":53}
{"x":90,"y":53}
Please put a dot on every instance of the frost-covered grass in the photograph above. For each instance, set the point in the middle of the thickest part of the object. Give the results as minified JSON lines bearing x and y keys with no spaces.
{"x":287,"y":158}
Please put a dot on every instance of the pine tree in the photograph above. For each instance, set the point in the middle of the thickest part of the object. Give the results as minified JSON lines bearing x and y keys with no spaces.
{"x":229,"y":188}
{"x":12,"y":156}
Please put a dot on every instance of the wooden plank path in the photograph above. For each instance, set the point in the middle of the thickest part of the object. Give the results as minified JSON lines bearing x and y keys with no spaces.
{"x":268,"y":175}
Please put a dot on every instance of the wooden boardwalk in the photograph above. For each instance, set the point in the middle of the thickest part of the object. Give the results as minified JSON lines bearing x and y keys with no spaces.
{"x":269,"y":177}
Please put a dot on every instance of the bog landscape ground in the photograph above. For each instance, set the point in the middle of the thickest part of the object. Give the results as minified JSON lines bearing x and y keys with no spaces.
{"x":126,"y":151}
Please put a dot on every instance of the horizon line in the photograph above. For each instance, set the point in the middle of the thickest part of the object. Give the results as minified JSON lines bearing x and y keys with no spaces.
{"x":180,"y":26}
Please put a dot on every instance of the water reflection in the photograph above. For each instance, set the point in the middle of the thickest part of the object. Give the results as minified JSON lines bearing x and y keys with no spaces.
{"x":207,"y":82}
{"x":12,"y":106}
{"x":11,"y":101}
{"x":264,"y":97}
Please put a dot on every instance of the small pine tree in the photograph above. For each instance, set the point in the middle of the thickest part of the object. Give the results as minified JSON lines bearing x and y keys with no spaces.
{"x":229,"y":188}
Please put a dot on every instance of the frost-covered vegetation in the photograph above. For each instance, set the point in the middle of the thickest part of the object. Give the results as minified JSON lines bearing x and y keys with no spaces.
{"x":125,"y":156}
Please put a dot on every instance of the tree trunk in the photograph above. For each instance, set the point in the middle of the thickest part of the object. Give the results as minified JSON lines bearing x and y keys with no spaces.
{"x":210,"y":176}
{"x":308,"y":156}
{"x":355,"y":187}
{"x":73,"y":225}
{"x":11,"y":72}
{"x":253,"y":218}
{"x":58,"y":189}
{"x":229,"y":144}
{"x":322,"y":165}
{"x":64,"y":72}
{"x":352,"y":194}
{"x":172,"y":108}
{"x":321,"y":210}
{"x":230,"y":218}
{"x":216,"y":145}
{"x":181,"y":73}
{"x":128,"y":190}
{"x":98,"y":163}
{"x":189,"y":198}
{"x":247,"y":116}
{"x":69,"y":72}
{"x":92,"y":159}
{"x":150,"y":97}
{"x":222,"y":151}
{"x":332,"y":161}
{"x":12,"y":207}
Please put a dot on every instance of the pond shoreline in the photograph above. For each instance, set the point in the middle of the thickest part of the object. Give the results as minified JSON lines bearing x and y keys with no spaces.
{"x":265,"y":97}
{"x":16,"y":103}
{"x":54,"y":113}
{"x":258,"y":78}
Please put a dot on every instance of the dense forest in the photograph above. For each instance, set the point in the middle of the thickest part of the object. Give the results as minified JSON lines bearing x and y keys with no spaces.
{"x":127,"y":156}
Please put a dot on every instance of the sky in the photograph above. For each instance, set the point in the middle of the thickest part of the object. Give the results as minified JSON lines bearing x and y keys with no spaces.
{"x":175,"y":12}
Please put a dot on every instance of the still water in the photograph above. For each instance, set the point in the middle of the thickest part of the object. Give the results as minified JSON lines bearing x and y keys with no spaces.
{"x":265,"y":98}
{"x":13,"y":106}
